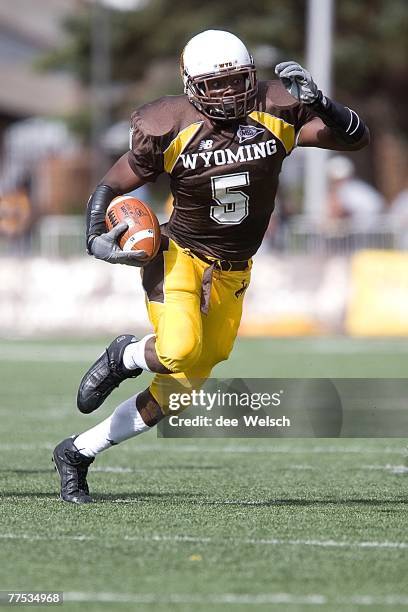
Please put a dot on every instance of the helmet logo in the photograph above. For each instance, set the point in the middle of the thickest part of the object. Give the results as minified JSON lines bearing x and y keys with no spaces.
{"x":247,"y":132}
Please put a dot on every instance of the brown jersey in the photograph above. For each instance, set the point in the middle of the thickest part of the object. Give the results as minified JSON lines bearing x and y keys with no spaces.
{"x":223,"y":176}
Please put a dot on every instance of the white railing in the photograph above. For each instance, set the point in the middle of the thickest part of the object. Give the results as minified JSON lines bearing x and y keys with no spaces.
{"x":343,"y":236}
{"x":63,"y":236}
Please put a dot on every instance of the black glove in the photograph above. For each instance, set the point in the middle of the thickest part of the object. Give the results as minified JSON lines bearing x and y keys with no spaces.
{"x":105,"y":247}
{"x":297,"y":81}
{"x":347,"y":126}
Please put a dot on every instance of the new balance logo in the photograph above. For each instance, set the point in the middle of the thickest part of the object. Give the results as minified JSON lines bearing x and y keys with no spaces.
{"x":247,"y":132}
{"x":205,"y":145}
{"x":242,"y":290}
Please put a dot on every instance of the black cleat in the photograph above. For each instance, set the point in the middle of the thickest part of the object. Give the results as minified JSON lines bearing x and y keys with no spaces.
{"x":104,"y":375}
{"x":72,"y":468}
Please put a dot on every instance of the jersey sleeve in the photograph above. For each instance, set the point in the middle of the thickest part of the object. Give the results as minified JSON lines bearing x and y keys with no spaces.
{"x":278,"y":102}
{"x":145,"y":155}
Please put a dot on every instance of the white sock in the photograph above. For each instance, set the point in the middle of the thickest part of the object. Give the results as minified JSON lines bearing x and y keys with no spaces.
{"x":134,"y":354}
{"x":124,"y":423}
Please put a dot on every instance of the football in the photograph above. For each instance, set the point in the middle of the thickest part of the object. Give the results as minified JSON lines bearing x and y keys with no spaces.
{"x":144,"y":230}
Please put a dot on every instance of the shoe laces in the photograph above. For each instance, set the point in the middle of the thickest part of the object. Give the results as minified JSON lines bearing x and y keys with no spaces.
{"x":118,"y":370}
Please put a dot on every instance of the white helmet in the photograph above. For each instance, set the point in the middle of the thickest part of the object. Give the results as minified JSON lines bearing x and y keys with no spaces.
{"x":215,"y":53}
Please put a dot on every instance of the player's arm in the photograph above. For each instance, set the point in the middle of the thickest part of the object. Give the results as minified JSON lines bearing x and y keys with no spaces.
{"x":336,"y":126}
{"x":118,"y":180}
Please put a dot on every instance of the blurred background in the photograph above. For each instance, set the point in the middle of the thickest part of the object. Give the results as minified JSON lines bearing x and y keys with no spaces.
{"x":335,"y":258}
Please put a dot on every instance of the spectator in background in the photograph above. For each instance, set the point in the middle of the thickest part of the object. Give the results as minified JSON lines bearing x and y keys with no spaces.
{"x":351,"y":198}
{"x":24,"y":186}
{"x":16,"y":220}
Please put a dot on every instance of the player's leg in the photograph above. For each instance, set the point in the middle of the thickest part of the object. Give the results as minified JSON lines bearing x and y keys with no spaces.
{"x":132,"y":417}
{"x":73,"y":456}
{"x":176,"y":343}
{"x":176,"y":346}
{"x":140,"y":413}
{"x":105,"y":375}
{"x":173,"y":295}
{"x":214,"y":332}
{"x":220,"y":326}
{"x":184,"y":336}
{"x":219,"y":330}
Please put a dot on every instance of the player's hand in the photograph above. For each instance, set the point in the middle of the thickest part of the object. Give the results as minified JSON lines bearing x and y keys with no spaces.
{"x":297,"y":81}
{"x":105,"y":247}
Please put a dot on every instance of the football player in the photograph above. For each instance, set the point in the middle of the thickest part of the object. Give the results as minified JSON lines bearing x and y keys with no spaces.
{"x":222,"y":143}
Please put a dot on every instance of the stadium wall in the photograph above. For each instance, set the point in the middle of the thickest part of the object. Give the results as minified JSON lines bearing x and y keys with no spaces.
{"x":290,"y":295}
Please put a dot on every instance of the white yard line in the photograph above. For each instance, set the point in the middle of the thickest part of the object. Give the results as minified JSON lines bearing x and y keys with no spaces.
{"x":376,"y":545}
{"x":119,"y":470}
{"x":235,"y":599}
{"x":275,"y":447}
{"x":342,"y":346}
{"x":176,"y":598}
{"x":37,"y":538}
{"x":331,"y":543}
{"x":393,"y":469}
{"x":28,"y":353}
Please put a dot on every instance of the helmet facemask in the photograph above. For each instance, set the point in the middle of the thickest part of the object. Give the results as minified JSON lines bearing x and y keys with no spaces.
{"x":225,"y":108}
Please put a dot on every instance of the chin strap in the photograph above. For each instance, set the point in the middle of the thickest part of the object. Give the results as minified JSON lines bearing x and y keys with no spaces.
{"x":345,"y":122}
{"x":95,"y":213}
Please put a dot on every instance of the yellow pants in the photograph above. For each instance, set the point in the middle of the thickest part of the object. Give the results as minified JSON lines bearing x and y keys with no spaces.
{"x":189,"y":342}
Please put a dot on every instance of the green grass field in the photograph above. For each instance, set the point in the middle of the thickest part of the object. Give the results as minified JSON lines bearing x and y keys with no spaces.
{"x":234,"y":524}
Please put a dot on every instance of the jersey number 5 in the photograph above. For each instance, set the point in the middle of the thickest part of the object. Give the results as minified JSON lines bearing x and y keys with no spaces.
{"x":232,"y":204}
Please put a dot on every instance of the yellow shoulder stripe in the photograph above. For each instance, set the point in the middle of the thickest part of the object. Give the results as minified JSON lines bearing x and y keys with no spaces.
{"x":178,"y":144}
{"x":285,"y":132}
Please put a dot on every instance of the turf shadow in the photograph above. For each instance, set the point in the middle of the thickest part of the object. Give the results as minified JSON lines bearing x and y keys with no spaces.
{"x":151,"y":469}
{"x":183,"y":498}
{"x":197,"y":499}
{"x":140,"y":496}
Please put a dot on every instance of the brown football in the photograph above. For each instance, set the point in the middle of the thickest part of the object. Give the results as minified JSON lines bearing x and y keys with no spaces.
{"x":144,"y":230}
